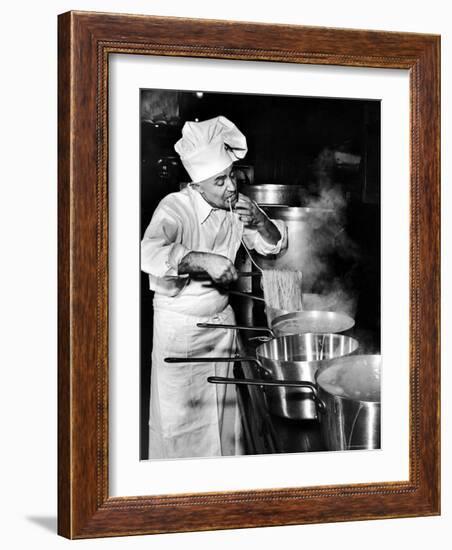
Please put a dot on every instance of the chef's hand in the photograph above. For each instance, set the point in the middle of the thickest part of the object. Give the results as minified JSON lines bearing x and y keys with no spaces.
{"x":249,"y":213}
{"x":254,"y":218}
{"x":220,"y":269}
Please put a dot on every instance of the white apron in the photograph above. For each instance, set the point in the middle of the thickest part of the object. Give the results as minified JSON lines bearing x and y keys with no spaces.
{"x":190,"y":417}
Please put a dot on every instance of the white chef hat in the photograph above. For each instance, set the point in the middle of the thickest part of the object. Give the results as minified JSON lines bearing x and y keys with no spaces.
{"x":207,"y":148}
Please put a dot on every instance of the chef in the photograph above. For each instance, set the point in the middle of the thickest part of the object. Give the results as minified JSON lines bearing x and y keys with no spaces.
{"x":188,"y":250}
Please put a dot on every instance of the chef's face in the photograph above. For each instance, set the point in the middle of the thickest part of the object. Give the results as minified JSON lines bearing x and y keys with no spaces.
{"x":219,"y":189}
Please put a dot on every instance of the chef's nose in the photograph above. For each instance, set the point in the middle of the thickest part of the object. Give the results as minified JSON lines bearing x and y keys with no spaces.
{"x":231,"y":184}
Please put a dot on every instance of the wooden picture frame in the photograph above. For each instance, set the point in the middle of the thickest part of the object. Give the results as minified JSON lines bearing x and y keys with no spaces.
{"x":86,"y":40}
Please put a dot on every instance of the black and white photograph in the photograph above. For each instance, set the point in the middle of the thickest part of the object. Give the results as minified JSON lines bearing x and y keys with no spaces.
{"x":260,"y":274}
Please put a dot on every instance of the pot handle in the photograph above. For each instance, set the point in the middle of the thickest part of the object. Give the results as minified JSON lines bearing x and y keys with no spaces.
{"x":315,"y":393}
{"x":286,"y":383}
{"x":246,"y":295}
{"x":249,"y":273}
{"x":257,"y":382}
{"x":241,"y":327}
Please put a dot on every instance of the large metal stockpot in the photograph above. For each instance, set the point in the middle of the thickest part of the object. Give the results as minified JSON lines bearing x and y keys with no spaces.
{"x":275,"y":194}
{"x":285,"y":323}
{"x":347,"y":399}
{"x":349,"y":402}
{"x":289,"y":359}
{"x":299,"y":357}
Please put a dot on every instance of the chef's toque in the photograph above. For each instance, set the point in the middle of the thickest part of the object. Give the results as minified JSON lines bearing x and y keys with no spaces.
{"x":207,"y":148}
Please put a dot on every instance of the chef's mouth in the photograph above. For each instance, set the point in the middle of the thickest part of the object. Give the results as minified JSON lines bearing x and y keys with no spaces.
{"x":231,"y":199}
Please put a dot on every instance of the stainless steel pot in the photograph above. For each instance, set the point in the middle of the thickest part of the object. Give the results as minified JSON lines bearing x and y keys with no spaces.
{"x":275,"y":194}
{"x":297,"y":322}
{"x":291,"y":359}
{"x":349,"y":398}
{"x":319,"y":314}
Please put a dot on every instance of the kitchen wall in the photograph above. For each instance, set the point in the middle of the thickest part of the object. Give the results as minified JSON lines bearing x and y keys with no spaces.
{"x":292,"y":143}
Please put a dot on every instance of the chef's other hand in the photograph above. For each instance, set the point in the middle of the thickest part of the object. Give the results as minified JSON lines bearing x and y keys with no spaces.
{"x":220,"y":269}
{"x":249,"y":213}
{"x":215,"y":266}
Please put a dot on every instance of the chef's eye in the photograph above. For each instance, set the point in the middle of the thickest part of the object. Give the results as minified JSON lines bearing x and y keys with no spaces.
{"x":220,"y":182}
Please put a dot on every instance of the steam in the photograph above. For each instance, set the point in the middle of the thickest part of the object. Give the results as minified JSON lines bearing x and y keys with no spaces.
{"x":335,"y":298}
{"x":358,"y":378}
{"x":329,"y":244}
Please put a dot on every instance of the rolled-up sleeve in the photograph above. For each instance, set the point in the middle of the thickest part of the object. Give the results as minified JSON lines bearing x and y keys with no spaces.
{"x":160,"y":250}
{"x":255,"y":241}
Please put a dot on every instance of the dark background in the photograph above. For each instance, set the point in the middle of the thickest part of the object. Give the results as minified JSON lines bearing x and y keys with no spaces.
{"x":291,"y":141}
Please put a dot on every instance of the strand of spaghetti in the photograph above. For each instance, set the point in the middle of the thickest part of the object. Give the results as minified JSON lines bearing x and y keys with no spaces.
{"x":282,"y":288}
{"x":244,"y":245}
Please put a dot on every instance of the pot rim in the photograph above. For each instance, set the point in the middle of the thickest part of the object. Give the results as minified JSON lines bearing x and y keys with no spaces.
{"x":345,"y":359}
